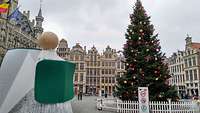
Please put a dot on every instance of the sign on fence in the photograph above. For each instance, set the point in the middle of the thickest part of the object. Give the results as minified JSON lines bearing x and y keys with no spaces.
{"x":143,"y":95}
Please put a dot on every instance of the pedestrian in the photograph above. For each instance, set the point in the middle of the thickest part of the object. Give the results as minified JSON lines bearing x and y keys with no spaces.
{"x":80,"y":95}
{"x":106,"y":95}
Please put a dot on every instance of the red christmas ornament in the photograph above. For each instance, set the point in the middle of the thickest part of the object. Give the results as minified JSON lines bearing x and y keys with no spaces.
{"x":125,"y":46}
{"x":130,"y":42}
{"x":142,"y":34}
{"x":143,"y":74}
{"x":147,"y":58}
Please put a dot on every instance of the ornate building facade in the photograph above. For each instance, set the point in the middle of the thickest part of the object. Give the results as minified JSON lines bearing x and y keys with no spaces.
{"x":176,"y":68}
{"x":192,"y":67}
{"x":184,"y":67}
{"x":21,"y":34}
{"x":95,"y":73}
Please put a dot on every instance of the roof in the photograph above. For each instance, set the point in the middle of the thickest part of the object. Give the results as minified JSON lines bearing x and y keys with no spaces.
{"x":195,"y":45}
{"x":63,"y":40}
{"x":40,"y":13}
{"x":77,"y":46}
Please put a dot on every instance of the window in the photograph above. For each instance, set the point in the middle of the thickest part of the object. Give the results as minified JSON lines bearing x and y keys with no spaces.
{"x":195,"y":74}
{"x":76,"y":66}
{"x":187,"y":75}
{"x":71,"y":57}
{"x":106,"y":71}
{"x":109,"y":63}
{"x":90,"y":80}
{"x":113,"y":64}
{"x":190,"y":62}
{"x":109,"y":71}
{"x":76,"y":77}
{"x":196,"y":85}
{"x":110,"y":56}
{"x":110,"y":80}
{"x":82,"y":57}
{"x":94,"y":80}
{"x":122,"y":66}
{"x":191,"y":75}
{"x":102,"y":71}
{"x":106,"y":80}
{"x":194,"y":61}
{"x":113,"y":79}
{"x":81,"y":66}
{"x":113,"y":71}
{"x":186,"y":64}
{"x":118,"y":64}
{"x":102,"y":80}
{"x":76,"y":58}
{"x":81,"y":77}
{"x":95,"y":72}
{"x":106,"y":63}
{"x":98,"y":80}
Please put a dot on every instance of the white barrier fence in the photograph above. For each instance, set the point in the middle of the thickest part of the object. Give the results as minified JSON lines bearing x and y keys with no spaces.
{"x":119,"y":106}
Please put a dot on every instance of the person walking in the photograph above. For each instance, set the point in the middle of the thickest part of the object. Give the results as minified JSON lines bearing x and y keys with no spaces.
{"x":80,"y":95}
{"x":106,"y":94}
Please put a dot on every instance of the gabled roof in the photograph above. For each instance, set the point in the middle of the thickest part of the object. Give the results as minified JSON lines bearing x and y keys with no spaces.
{"x":195,"y":45}
{"x":63,"y":40}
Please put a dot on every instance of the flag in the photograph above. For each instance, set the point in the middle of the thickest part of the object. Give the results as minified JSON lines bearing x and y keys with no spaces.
{"x":16,"y":15}
{"x":4,"y":7}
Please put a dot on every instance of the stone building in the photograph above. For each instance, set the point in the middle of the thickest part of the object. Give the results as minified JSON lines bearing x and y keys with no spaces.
{"x":185,"y":69}
{"x":192,"y":67}
{"x":77,"y":55}
{"x":63,"y":49}
{"x":95,"y":73}
{"x":176,"y":69}
{"x":108,"y":69}
{"x":21,"y":33}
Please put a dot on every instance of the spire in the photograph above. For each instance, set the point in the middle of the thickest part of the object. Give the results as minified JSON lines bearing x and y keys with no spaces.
{"x":39,"y":20}
{"x":40,"y":12}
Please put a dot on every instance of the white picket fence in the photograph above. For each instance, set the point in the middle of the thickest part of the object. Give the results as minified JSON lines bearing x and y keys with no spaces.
{"x":116,"y":105}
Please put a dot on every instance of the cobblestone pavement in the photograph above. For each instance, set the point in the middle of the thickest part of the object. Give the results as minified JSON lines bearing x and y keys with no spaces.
{"x":87,"y":105}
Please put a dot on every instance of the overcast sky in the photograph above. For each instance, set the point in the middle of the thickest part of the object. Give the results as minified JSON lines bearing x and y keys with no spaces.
{"x":104,"y":22}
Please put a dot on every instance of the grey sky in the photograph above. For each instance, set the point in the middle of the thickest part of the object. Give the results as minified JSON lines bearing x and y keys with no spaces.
{"x":104,"y":22}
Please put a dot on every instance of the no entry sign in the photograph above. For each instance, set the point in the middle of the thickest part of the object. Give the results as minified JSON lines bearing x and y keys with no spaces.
{"x":143,"y":94}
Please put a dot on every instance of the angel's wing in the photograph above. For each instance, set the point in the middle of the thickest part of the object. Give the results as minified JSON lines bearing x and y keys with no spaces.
{"x":17,"y":74}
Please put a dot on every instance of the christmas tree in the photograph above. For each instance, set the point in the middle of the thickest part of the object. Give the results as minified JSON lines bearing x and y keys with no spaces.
{"x":145,"y":65}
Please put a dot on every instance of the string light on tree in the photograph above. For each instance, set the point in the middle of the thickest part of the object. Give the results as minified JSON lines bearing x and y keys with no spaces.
{"x":156,"y":79}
